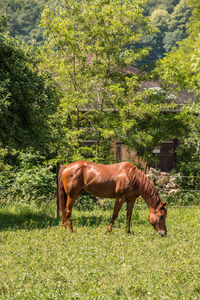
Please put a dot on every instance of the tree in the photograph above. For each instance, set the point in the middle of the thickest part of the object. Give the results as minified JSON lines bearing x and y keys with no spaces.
{"x":24,"y":18}
{"x":181,"y":65}
{"x":177,"y":25}
{"x":87,"y":53}
{"x":27,"y":97}
{"x":181,"y":69}
{"x":161,"y":4}
{"x":170,"y":19}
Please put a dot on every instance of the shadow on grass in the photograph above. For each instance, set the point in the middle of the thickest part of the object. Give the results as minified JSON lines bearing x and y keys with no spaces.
{"x":25,"y":220}
{"x":41,"y":220}
{"x":90,"y":221}
{"x":95,"y":221}
{"x":37,"y":220}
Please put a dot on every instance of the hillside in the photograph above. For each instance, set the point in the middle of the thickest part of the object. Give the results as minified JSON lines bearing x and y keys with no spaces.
{"x":169,"y":17}
{"x":24,"y":18}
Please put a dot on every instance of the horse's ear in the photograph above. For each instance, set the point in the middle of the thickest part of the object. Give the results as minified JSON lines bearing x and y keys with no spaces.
{"x":164,"y":205}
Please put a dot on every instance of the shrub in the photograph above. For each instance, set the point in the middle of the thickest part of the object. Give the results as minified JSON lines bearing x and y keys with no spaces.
{"x":86,"y":202}
{"x":36,"y":184}
{"x":181,"y":198}
{"x":29,"y":181}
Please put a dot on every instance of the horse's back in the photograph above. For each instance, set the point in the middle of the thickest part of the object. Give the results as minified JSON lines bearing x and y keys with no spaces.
{"x":98,"y":179}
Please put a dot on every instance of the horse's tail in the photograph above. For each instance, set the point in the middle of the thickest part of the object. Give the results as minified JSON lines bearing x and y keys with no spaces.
{"x":62,"y":196}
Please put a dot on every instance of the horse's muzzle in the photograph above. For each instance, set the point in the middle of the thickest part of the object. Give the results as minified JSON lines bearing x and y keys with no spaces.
{"x":162,"y":233}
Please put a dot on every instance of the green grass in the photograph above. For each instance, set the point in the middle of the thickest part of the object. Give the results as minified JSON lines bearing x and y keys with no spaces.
{"x":40,"y":260}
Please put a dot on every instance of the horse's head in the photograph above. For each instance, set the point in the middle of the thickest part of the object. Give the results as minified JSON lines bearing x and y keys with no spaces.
{"x":157,"y":219}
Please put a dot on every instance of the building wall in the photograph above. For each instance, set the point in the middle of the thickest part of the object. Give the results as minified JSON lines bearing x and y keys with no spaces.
{"x":122,"y":153}
{"x":165,"y":155}
{"x":165,"y":158}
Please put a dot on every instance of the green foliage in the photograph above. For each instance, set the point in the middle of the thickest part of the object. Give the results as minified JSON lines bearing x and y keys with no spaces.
{"x":3,"y":22}
{"x":180,"y":68}
{"x":86,"y":49}
{"x":186,"y":196}
{"x":162,"y":4}
{"x":27,"y":97}
{"x":4,"y":164}
{"x":23,"y":18}
{"x":145,"y":122}
{"x":171,"y":38}
{"x":30,"y":181}
{"x":86,"y":202}
{"x":170,"y":18}
{"x":181,"y":65}
{"x":188,"y":155}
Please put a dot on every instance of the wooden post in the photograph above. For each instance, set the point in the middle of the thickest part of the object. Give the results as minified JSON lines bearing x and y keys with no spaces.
{"x":57,"y":190}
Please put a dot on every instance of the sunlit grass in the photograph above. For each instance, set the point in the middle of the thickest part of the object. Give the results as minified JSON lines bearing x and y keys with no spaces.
{"x":39,"y":260}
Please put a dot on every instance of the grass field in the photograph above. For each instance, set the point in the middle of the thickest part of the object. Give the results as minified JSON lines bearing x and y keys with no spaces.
{"x":39,"y":260}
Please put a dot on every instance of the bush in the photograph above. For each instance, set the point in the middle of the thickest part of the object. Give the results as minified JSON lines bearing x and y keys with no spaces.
{"x":190,"y":175}
{"x":181,"y":198}
{"x":36,"y":184}
{"x":86,"y":201}
{"x":33,"y":181}
{"x":29,"y":181}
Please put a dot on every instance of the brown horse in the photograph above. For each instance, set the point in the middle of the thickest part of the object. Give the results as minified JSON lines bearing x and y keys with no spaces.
{"x":122,"y":181}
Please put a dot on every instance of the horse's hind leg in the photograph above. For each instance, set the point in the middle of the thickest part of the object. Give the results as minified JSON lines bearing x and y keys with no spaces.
{"x":118,"y":204}
{"x":68,"y":211}
{"x":63,"y":218}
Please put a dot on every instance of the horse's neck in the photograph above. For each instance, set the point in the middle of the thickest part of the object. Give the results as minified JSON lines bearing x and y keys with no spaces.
{"x":150,"y":194}
{"x":152,"y":203}
{"x":145,"y":188}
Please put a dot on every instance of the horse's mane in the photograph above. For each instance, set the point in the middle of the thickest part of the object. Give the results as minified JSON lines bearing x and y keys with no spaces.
{"x":145,"y":187}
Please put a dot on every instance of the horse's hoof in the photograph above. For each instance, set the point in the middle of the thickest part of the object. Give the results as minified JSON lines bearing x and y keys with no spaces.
{"x":108,"y":231}
{"x":130,"y":233}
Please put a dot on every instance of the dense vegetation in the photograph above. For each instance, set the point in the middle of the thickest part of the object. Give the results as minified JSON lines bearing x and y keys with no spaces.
{"x":169,"y":17}
{"x":74,"y":84}
{"x":24,"y":18}
{"x":78,"y":86}
{"x":180,"y":69}
{"x":28,"y":96}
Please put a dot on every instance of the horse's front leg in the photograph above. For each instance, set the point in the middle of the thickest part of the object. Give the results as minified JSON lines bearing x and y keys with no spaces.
{"x":118,"y":204}
{"x":130,"y":205}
